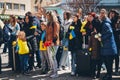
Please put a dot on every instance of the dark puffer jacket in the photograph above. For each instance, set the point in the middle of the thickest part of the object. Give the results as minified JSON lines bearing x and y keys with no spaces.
{"x":31,"y":39}
{"x":109,"y":46}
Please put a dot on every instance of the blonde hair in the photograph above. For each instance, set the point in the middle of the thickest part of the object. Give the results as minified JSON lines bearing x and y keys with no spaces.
{"x":104,"y":10}
{"x":22,"y":35}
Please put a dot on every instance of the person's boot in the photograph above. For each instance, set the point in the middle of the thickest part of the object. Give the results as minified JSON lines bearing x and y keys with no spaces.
{"x":98,"y":75}
{"x":116,"y":73}
{"x":107,"y":77}
{"x":54,"y":75}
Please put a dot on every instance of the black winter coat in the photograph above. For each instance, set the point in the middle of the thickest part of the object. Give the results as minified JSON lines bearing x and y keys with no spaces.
{"x":76,"y":43}
{"x":31,"y":39}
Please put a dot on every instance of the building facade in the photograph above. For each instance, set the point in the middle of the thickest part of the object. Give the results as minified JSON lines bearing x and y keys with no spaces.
{"x":109,"y":4}
{"x":14,"y":7}
{"x":44,"y":3}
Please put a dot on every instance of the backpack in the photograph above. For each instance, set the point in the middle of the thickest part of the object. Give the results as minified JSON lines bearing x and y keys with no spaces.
{"x":6,"y":32}
{"x":61,"y":33}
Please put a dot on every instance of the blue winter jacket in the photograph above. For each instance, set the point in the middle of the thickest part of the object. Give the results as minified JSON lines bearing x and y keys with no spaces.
{"x":109,"y":46}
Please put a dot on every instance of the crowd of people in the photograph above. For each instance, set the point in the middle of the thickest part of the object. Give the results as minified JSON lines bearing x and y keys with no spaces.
{"x":56,"y":42}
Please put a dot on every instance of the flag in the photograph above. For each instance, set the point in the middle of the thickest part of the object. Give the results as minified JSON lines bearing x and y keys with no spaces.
{"x":72,"y":35}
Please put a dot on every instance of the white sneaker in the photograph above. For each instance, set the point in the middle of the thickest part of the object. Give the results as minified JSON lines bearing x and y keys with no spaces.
{"x":49,"y":73}
{"x":72,"y":73}
{"x":54,"y":76}
{"x":59,"y":69}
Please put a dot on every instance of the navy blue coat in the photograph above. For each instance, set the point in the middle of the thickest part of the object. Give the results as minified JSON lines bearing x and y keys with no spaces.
{"x":109,"y":46}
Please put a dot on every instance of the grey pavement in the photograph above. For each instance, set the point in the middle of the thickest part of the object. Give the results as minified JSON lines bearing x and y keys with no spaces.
{"x":7,"y":74}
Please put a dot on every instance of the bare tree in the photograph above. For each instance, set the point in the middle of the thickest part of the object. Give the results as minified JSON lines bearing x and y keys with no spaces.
{"x":38,"y":1}
{"x":86,"y":5}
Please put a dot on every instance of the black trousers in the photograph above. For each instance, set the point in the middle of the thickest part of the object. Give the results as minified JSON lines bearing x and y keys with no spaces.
{"x":116,"y":58}
{"x":95,"y":66}
{"x":33,"y":46}
{"x":108,"y":60}
{"x":0,"y":63}
{"x":10,"y":51}
{"x":59,"y":55}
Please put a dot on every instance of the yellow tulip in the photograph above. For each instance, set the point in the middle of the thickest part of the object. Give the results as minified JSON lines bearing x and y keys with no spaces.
{"x":72,"y":27}
{"x":90,"y":49}
{"x":14,"y":43}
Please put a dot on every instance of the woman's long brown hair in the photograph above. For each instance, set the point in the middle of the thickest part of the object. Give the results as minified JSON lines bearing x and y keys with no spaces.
{"x":14,"y":20}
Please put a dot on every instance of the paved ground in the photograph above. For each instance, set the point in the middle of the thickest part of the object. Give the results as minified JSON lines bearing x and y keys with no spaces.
{"x":35,"y":75}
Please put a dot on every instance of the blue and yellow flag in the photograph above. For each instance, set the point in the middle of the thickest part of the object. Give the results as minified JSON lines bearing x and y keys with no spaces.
{"x":72,"y":35}
{"x":42,"y":46}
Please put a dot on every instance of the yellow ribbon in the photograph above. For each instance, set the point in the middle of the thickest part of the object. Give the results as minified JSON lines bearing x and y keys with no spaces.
{"x":33,"y":27}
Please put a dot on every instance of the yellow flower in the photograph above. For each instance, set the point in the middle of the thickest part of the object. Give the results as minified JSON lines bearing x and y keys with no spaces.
{"x":90,"y":49}
{"x":72,"y":27}
{"x":65,"y":48}
{"x":14,"y":43}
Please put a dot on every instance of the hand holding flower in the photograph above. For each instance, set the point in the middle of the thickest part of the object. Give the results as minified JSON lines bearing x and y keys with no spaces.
{"x":72,"y":27}
{"x":98,"y":36}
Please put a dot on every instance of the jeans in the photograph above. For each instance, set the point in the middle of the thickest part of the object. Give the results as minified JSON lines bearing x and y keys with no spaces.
{"x":65,"y":42}
{"x":38,"y":58}
{"x":24,"y":62}
{"x":73,"y":61}
{"x":52,"y":50}
{"x":44,"y":58}
{"x":65,"y":59}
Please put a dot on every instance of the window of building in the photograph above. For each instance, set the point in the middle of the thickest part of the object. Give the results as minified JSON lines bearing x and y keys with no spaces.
{"x":22,"y":7}
{"x":16,"y":6}
{"x":9,"y":5}
{"x":36,"y":8}
{"x":1,"y":5}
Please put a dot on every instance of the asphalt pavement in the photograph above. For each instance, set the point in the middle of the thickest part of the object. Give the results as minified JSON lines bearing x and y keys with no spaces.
{"x":7,"y":74}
